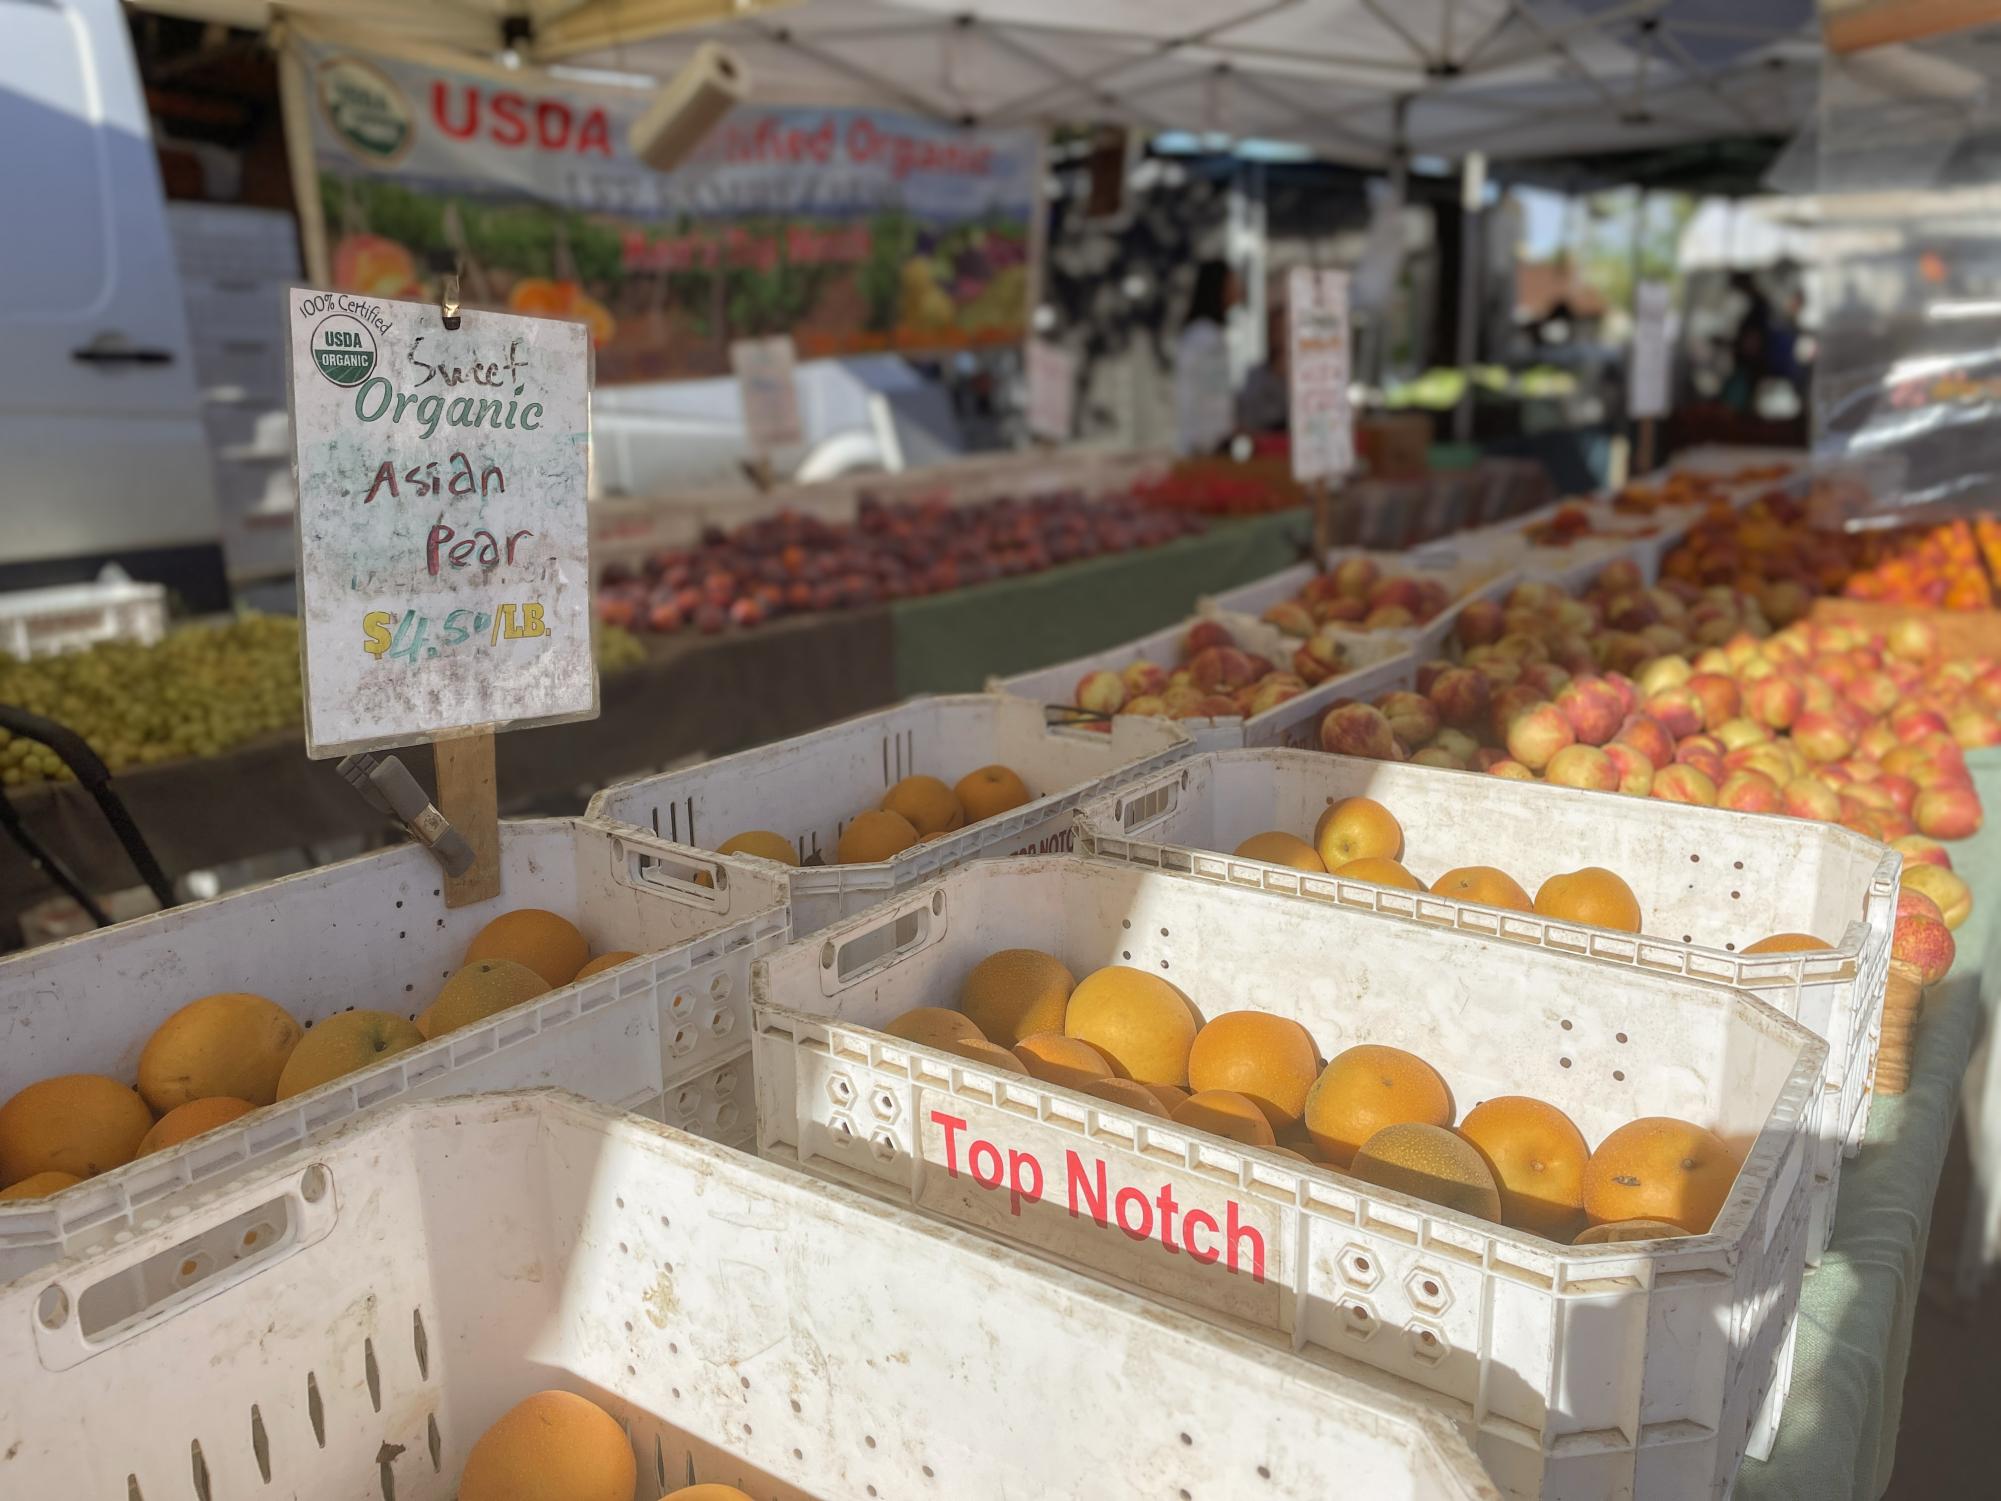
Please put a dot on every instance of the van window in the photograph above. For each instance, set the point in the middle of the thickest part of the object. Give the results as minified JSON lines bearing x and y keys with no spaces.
{"x":54,"y":254}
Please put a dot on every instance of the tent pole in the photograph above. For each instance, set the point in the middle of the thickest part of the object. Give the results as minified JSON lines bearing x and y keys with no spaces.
{"x":1472,"y":188}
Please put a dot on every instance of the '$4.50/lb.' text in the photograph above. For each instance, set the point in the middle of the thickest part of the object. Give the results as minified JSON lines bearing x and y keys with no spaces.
{"x":408,"y":637}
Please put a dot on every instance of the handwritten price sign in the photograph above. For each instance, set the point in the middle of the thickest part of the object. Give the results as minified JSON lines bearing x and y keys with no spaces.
{"x":444,"y":552}
{"x":1323,"y":423}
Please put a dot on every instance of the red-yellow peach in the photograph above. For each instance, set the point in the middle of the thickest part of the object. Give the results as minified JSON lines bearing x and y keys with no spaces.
{"x":1684,"y":784}
{"x":1947,"y":812}
{"x":1945,"y":887}
{"x":1921,"y":849}
{"x":1358,"y":730}
{"x":1635,"y":768}
{"x":1536,"y":735}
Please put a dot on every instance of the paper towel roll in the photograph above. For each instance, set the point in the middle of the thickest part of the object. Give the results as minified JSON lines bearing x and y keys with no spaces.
{"x":688,"y":107}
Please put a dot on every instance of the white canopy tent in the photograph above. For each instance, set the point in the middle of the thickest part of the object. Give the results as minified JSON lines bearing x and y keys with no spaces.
{"x":1351,"y":79}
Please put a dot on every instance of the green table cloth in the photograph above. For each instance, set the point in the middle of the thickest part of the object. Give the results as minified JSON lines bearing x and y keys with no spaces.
{"x":952,"y":643}
{"x":1838,"y":1435}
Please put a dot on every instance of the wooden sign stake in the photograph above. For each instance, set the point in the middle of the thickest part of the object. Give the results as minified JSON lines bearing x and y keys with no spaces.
{"x":1323,"y":523}
{"x":469,"y":797}
{"x":1643,"y":454}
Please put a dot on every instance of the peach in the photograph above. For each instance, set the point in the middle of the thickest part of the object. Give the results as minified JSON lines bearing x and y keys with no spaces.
{"x":1750,"y":792}
{"x":1340,"y":611}
{"x":1501,"y":672}
{"x":1388,"y":618}
{"x":1822,"y":737}
{"x":1457,"y":743}
{"x":1398,"y":593}
{"x":1143,"y":679}
{"x":1860,"y":820}
{"x":1912,"y":723}
{"x":1945,"y":887}
{"x":1678,"y":710}
{"x":1217,"y":668}
{"x":1646,"y":735}
{"x":1431,"y":755}
{"x":1768,"y":760}
{"x":1181,"y":699}
{"x":1479,"y":623}
{"x":1869,"y":795}
{"x":1720,"y":699}
{"x":1893,"y":825}
{"x":1974,"y":728}
{"x":1913,"y":638}
{"x":1536,"y":735}
{"x":1819,"y":697}
{"x":1696,"y":751}
{"x":1583,"y":766}
{"x":1204,"y":634}
{"x":1684,"y":784}
{"x":1146,"y":706}
{"x":1774,"y":701}
{"x":1522,"y":647}
{"x":1461,"y":696}
{"x":1803,"y":797}
{"x":1214,"y":706}
{"x":1593,"y":707}
{"x":1926,"y":943}
{"x":1290,"y":617}
{"x":1354,"y":577}
{"x":1635,"y":768}
{"x":1627,"y":689}
{"x":1921,"y":849}
{"x":1874,"y":691}
{"x":1947,"y":812}
{"x":1413,"y":719}
{"x":1546,"y":677}
{"x":1272,"y":692}
{"x":1877,"y":741}
{"x":1913,"y":902}
{"x":1740,"y":732}
{"x":1485,"y":758}
{"x":1513,"y":771}
{"x":1430,"y":672}
{"x":1902,"y":791}
{"x":1358,"y":730}
{"x":1509,"y":705}
{"x":1101,"y":692}
{"x":1662,"y":673}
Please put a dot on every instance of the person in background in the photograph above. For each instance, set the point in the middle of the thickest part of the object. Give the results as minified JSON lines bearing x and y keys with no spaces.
{"x":1205,"y":413}
{"x":1265,"y":403}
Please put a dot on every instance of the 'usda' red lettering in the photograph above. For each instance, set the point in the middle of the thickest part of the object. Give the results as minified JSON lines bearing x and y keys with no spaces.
{"x":1088,"y":1191}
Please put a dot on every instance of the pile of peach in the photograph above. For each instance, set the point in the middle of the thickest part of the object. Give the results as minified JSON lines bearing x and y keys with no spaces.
{"x":1356,"y":595}
{"x":1216,"y":678}
{"x":1817,"y":721}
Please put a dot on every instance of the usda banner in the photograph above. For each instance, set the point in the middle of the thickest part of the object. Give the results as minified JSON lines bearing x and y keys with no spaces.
{"x":853,"y":230}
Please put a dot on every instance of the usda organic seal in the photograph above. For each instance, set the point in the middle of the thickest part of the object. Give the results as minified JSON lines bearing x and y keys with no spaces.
{"x":344,"y":349}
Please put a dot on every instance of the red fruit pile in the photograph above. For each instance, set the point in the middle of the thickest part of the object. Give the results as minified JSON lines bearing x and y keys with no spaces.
{"x":1940,"y":567}
{"x":1356,"y":595}
{"x":1680,"y":694}
{"x":792,"y":564}
{"x":1224,"y":487}
{"x":1215,"y":679}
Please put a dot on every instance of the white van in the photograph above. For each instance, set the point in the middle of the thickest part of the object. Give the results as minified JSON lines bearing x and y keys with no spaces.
{"x":102,"y":449}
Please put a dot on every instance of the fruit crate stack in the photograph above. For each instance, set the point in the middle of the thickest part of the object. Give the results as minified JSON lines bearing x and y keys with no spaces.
{"x":531,"y":1295}
{"x":1646,"y":1364}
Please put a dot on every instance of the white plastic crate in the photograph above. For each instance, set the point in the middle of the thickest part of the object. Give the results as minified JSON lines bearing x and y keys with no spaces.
{"x":666,"y":1034}
{"x":1709,"y":881}
{"x":68,"y":617}
{"x":1468,"y":578}
{"x":1643,"y":1372}
{"x":1376,"y":659}
{"x":344,"y":1324}
{"x":809,"y":787}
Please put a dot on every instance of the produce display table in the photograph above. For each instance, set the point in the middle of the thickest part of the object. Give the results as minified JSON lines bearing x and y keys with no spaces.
{"x":711,"y":694}
{"x":1838,"y":1437}
{"x":952,"y":643}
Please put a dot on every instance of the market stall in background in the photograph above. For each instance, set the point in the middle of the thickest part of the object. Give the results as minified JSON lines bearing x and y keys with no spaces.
{"x":1178,"y":675}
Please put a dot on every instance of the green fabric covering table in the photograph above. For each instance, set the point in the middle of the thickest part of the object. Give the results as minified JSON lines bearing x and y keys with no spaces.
{"x":952,"y":643}
{"x":1838,"y":1435}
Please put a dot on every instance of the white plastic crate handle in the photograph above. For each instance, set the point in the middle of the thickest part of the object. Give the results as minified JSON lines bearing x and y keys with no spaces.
{"x":867,"y":948}
{"x":1149,"y":804}
{"x":188,"y":1261}
{"x":659,"y":867}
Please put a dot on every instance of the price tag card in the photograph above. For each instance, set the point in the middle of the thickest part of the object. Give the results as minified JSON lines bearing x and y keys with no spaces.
{"x":764,"y":376}
{"x":1647,"y":381}
{"x":1323,"y":422}
{"x":444,"y":550}
{"x":1052,"y":387}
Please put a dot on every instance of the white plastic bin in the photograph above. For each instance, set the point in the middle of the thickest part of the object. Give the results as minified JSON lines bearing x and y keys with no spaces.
{"x":1642,"y":1370}
{"x":345,"y":1324}
{"x":1709,"y":882}
{"x":1377,"y":660}
{"x":667,"y":1034}
{"x":69,"y":617}
{"x":809,"y":787}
